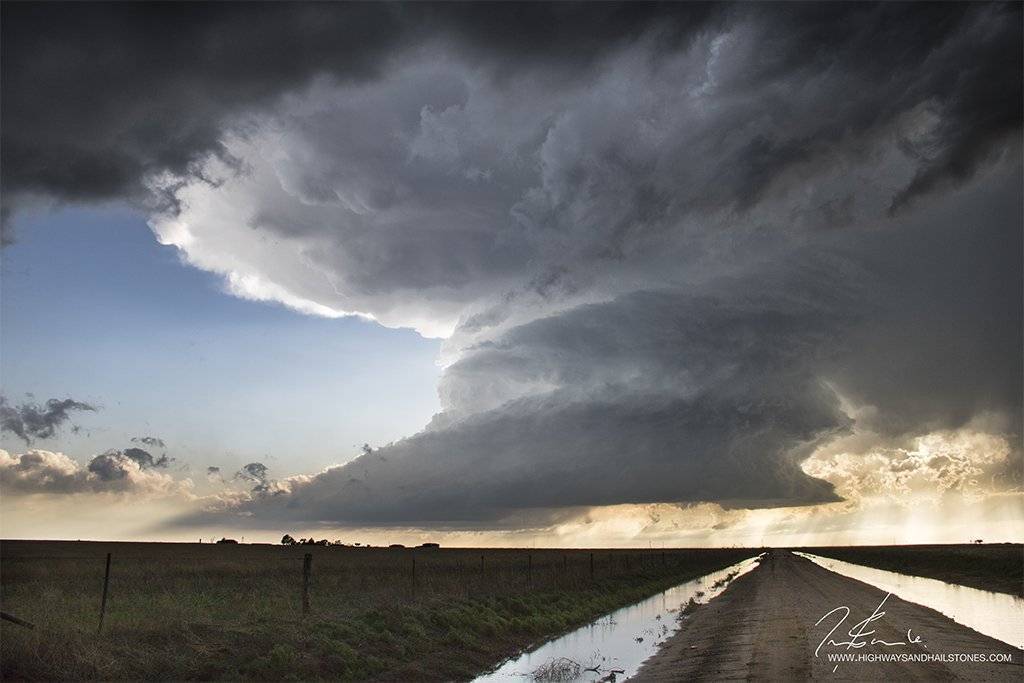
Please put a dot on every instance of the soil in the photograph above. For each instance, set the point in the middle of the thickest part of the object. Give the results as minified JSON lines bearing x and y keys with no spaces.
{"x":763,"y":628}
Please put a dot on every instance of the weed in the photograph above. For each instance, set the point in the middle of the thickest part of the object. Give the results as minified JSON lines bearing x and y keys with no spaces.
{"x":187,"y":612}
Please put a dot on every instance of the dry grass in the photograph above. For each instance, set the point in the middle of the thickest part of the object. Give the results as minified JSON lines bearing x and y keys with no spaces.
{"x":190,"y":611}
{"x":558,"y":669}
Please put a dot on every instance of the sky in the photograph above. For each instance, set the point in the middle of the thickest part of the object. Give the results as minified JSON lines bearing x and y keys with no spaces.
{"x":551,"y":274}
{"x":159,"y":348}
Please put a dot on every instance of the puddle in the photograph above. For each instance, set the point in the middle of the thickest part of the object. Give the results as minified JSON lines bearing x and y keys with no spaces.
{"x":618,"y":642}
{"x":998,"y":615}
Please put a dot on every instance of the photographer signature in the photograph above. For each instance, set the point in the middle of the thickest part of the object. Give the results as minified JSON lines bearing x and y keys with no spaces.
{"x":859,"y":636}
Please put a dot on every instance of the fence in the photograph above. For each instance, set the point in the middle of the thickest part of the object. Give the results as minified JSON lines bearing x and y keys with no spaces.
{"x":254,"y":581}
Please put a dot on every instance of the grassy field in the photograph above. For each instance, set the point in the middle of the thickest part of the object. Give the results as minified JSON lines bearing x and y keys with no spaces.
{"x":191,"y":611}
{"x":995,"y":567}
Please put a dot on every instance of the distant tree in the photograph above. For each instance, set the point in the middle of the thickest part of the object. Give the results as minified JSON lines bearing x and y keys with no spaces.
{"x":287,"y":540}
{"x":323,"y":541}
{"x":227,"y":540}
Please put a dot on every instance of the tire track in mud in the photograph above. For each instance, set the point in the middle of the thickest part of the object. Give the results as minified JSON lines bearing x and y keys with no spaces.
{"x":763,"y":628}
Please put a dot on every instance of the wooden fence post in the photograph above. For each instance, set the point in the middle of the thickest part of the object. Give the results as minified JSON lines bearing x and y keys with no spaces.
{"x":591,"y":566}
{"x":103,"y":600}
{"x":481,"y":566}
{"x":15,"y":620}
{"x":414,"y":575}
{"x":307,"y":570}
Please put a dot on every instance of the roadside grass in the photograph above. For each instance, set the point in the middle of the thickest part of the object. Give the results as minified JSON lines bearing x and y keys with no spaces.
{"x":995,"y":567}
{"x":179,"y":611}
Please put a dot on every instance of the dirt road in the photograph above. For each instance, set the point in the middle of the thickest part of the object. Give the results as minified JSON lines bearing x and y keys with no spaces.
{"x":763,"y":628}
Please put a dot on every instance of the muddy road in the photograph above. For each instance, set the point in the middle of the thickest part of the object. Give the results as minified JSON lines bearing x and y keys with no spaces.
{"x":763,"y":628}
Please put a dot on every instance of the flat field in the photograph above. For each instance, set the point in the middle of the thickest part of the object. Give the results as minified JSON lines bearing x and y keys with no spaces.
{"x":994,"y":567}
{"x":197,"y":611}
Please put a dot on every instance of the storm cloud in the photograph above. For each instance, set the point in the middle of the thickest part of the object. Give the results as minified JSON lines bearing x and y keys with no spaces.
{"x":673,"y":250}
{"x":65,"y":142}
{"x":418,"y":196}
{"x":718,"y":392}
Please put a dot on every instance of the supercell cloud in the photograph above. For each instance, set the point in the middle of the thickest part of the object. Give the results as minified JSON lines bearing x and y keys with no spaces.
{"x":673,"y":251}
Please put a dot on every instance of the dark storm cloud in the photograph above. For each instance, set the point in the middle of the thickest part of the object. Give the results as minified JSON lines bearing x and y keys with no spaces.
{"x":149,"y":441}
{"x":716,"y":392}
{"x":30,"y":421}
{"x":960,"y":61}
{"x":417,"y":194}
{"x":98,"y":96}
{"x":137,"y":89}
{"x":943,"y":343}
{"x":675,"y":280}
{"x":963,"y":60}
{"x":639,"y":423}
{"x":673,"y":249}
